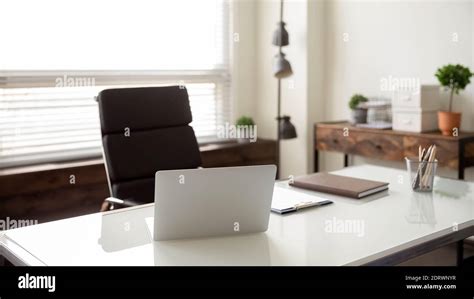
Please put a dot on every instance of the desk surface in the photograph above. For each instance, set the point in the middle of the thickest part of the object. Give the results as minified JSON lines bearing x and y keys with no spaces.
{"x":380,"y":229}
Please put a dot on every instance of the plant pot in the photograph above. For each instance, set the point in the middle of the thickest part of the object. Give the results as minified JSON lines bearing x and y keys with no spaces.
{"x":359,"y":116}
{"x":242,"y":138}
{"x":447,"y":121}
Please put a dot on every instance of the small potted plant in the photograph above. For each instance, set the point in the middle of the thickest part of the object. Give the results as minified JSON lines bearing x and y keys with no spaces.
{"x":453,"y":78}
{"x":244,"y":124}
{"x":358,"y":113}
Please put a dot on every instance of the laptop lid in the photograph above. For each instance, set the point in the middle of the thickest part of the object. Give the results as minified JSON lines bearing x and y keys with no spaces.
{"x":192,"y":203}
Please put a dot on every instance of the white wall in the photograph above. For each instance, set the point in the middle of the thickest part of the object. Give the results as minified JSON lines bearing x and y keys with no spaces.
{"x":398,"y":39}
{"x":316,"y":72}
{"x":294,"y":89}
{"x":255,"y":87}
{"x":243,"y":55}
{"x":386,"y":38}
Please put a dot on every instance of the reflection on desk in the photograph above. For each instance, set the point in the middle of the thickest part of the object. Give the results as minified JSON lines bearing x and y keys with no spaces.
{"x":120,"y":232}
{"x":422,"y":209}
{"x":243,"y":250}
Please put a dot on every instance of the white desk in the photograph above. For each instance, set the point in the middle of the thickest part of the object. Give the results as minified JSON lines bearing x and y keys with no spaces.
{"x":398,"y":225}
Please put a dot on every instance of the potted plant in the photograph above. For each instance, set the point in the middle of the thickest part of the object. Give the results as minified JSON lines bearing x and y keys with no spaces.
{"x":453,"y":78}
{"x":244,"y":124}
{"x":358,"y":113}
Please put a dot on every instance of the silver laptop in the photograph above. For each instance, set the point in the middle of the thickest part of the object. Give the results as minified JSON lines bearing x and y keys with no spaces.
{"x":193,"y":203}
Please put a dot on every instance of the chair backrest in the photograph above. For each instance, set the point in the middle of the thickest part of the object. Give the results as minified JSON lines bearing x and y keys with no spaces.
{"x":145,"y":130}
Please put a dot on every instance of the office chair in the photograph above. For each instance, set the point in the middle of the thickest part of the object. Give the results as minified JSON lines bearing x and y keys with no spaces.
{"x":144,"y":130}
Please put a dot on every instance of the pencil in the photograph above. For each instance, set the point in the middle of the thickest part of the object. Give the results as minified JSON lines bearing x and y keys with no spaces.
{"x":429,"y":170}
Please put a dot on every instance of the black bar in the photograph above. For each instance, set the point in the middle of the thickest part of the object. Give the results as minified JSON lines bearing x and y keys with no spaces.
{"x":316,"y":161}
{"x":346,"y":160}
{"x":292,"y":282}
{"x":316,"y":154}
{"x":461,"y":160}
{"x":459,"y":252}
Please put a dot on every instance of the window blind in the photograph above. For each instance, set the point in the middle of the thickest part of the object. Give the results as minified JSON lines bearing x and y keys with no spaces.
{"x":43,"y":121}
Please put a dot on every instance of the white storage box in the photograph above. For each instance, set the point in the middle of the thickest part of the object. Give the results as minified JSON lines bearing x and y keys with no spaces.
{"x":427,"y":98}
{"x":414,"y":120}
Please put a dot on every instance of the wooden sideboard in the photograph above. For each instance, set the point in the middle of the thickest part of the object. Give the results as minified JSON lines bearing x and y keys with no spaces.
{"x":453,"y":152}
{"x":44,"y":192}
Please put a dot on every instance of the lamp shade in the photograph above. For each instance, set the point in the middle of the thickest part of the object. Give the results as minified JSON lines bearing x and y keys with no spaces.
{"x":286,"y":129}
{"x":280,"y":36}
{"x":281,"y":67}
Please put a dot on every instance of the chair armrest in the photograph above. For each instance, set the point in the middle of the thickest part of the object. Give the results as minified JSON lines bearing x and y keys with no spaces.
{"x":112,"y":203}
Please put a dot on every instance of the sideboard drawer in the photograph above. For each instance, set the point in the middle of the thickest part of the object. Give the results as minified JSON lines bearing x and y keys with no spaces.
{"x":360,"y":143}
{"x":332,"y":140}
{"x":378,"y":146}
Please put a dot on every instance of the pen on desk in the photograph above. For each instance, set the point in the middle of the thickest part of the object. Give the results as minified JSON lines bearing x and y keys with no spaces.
{"x":311,"y":204}
{"x":305,"y":204}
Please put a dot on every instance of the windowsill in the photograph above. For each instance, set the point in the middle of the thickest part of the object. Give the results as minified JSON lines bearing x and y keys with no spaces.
{"x":203,"y":146}
{"x":51,"y":166}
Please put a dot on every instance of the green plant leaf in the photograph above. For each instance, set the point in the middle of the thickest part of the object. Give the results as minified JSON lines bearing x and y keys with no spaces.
{"x":454,"y":78}
{"x":355,"y":100}
{"x":245,"y":121}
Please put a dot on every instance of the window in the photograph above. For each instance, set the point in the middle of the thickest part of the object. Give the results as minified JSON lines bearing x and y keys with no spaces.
{"x":62,"y":53}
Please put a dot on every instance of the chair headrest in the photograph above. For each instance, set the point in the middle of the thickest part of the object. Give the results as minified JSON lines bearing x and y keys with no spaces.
{"x":143,"y":108}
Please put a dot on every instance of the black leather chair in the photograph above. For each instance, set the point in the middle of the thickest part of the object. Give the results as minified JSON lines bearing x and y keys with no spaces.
{"x":144,"y":130}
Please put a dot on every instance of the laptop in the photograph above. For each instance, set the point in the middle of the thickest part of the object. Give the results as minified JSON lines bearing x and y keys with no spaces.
{"x":207,"y":202}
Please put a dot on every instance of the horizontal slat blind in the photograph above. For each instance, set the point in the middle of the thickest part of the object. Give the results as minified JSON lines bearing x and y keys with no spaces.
{"x":38,"y":121}
{"x":43,"y":122}
{"x":53,"y":124}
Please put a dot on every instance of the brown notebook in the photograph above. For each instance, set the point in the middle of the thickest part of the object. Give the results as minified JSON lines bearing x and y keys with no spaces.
{"x":339,"y":185}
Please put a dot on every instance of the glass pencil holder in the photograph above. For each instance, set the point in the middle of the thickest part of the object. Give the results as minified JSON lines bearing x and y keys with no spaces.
{"x":421,"y":174}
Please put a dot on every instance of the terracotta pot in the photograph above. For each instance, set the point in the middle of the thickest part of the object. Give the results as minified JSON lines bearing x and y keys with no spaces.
{"x":447,"y":121}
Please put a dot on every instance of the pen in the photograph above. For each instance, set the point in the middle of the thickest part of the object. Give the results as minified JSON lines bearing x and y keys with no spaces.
{"x":311,"y":204}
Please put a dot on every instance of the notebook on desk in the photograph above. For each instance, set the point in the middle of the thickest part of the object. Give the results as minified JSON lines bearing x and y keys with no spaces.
{"x":339,"y":185}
